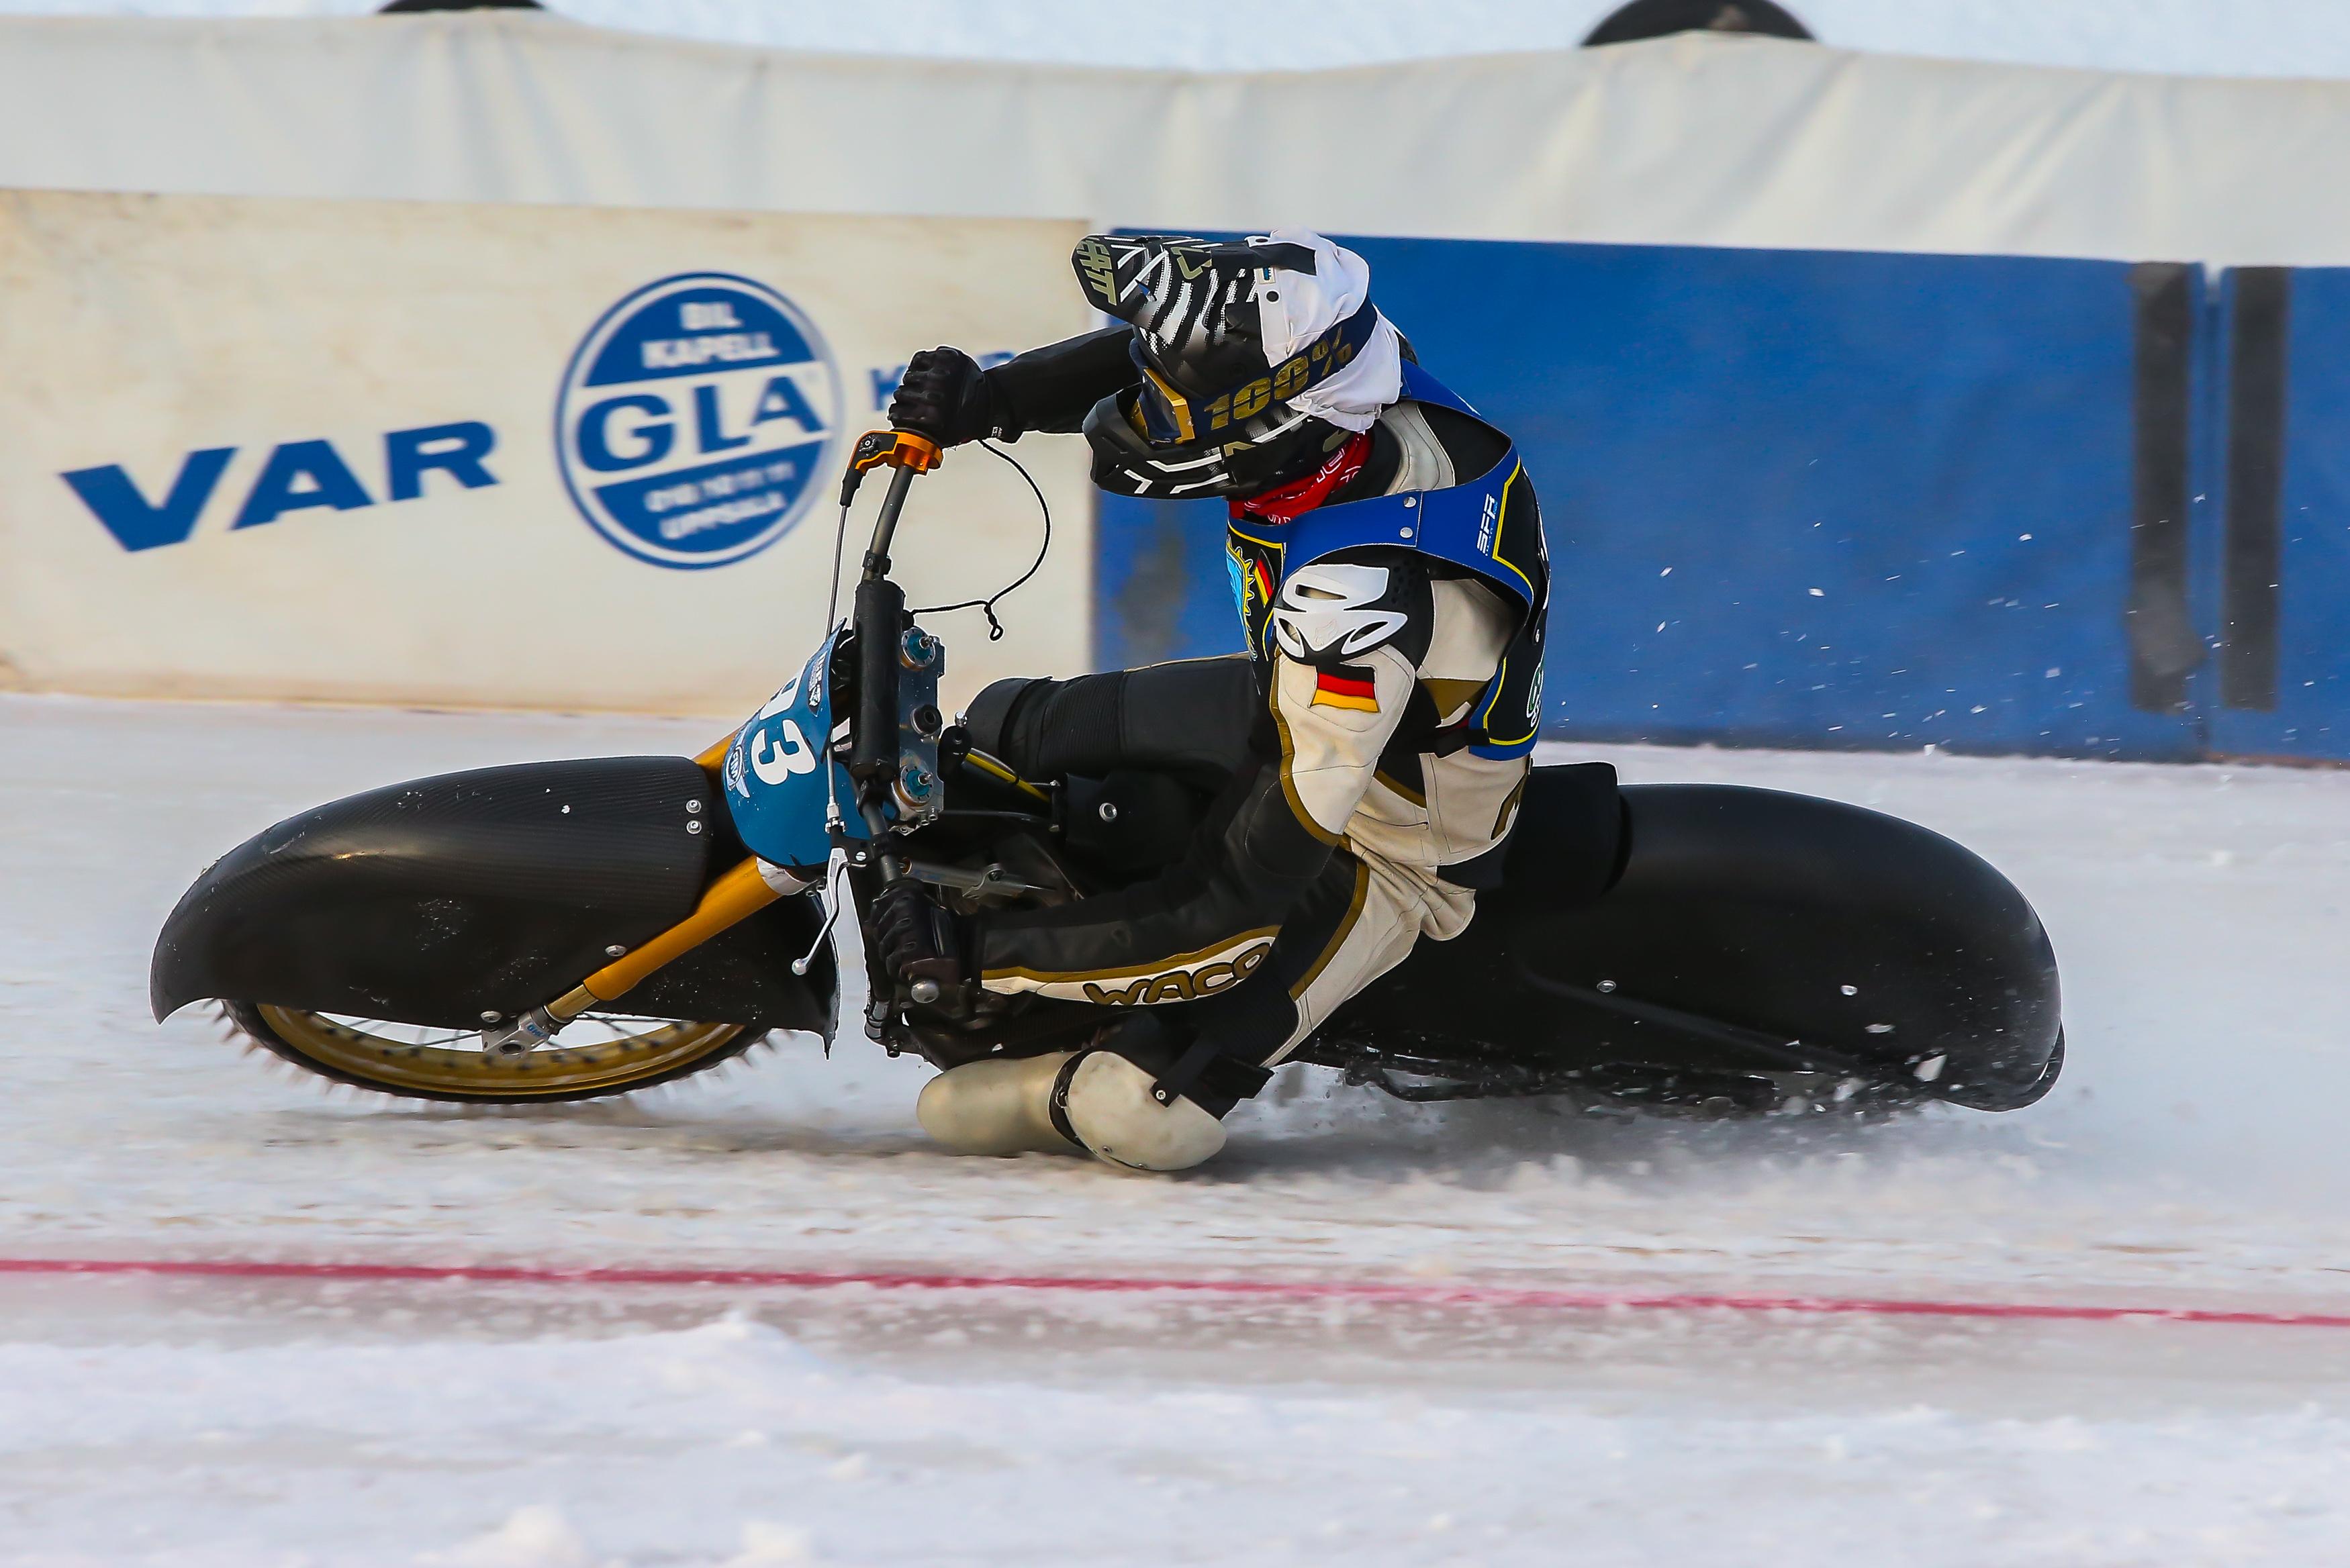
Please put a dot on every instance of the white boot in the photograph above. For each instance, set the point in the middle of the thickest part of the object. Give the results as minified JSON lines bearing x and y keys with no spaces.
{"x":1107,"y":1102}
{"x":996,"y":1107}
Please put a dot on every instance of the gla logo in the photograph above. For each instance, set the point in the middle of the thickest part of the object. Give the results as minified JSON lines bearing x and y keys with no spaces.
{"x":694,"y":418}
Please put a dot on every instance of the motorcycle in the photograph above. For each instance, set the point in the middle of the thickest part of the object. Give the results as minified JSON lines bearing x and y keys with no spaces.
{"x":564,"y":931}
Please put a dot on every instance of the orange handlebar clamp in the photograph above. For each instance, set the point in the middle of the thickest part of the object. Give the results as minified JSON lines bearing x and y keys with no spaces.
{"x":892,"y":449}
{"x":899,"y":449}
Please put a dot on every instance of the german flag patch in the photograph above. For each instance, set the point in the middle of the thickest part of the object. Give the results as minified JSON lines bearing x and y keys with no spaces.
{"x":1348,"y":686}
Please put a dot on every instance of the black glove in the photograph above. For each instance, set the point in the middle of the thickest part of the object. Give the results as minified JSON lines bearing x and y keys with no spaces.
{"x":943,"y":395}
{"x":917,"y":938}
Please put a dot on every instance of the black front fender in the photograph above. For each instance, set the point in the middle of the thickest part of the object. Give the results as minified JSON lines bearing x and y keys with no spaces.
{"x":436,"y":901}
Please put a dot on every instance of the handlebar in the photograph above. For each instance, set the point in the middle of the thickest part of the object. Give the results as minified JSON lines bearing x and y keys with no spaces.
{"x":909,"y":453}
{"x":880,"y":623}
{"x":879,"y":620}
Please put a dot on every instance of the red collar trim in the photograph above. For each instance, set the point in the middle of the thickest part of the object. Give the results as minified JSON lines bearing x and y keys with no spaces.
{"x":1292,"y":499}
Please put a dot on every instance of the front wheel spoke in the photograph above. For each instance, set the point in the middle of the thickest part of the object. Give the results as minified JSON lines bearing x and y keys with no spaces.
{"x":387,"y":1031}
{"x":599,"y":1053}
{"x":590,"y":1031}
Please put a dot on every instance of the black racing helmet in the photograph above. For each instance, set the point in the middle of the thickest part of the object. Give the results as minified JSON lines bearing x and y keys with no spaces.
{"x":1210,"y":414}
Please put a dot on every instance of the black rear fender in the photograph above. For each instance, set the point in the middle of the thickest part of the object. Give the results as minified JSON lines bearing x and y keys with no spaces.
{"x":493,"y":891}
{"x":1718,"y":927}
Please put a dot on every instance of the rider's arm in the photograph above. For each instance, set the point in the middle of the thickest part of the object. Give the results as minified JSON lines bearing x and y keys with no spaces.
{"x":1052,"y":388}
{"x":943,"y":393}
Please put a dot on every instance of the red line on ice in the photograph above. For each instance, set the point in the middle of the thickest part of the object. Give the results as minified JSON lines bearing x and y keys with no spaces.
{"x":1345,"y":1290}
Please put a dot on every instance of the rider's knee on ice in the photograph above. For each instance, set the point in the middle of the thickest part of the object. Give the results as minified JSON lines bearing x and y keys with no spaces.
{"x":1108,"y":1104}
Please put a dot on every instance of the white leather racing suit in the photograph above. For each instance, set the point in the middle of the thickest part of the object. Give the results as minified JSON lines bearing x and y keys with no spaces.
{"x":1355,"y":821}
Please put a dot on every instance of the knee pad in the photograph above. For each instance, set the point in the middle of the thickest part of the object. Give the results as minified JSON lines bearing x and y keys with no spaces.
{"x":1106,"y":1104}
{"x":997,"y":1108}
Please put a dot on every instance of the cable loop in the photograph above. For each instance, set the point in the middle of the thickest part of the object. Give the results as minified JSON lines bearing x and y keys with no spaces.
{"x":986,"y":606}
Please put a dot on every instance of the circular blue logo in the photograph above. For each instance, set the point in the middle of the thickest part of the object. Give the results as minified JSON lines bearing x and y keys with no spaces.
{"x":695,"y":419}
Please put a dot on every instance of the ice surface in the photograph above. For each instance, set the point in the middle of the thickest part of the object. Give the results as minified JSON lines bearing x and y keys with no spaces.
{"x":2192,"y":1157}
{"x":2191,"y":37}
{"x":706,"y":1445}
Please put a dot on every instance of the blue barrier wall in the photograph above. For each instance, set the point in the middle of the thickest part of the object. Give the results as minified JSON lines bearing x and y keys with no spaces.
{"x":2309,"y":694}
{"x":1849,"y":500}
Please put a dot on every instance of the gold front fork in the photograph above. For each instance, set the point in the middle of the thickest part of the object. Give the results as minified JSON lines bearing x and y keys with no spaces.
{"x":741,"y":892}
{"x":733,"y":899}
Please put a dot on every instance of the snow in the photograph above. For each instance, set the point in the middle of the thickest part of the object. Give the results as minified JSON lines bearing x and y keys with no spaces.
{"x":2191,"y":37}
{"x":2190,"y":1158}
{"x":734,"y":1442}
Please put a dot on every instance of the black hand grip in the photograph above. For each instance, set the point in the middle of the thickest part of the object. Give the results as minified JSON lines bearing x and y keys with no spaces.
{"x":880,"y":622}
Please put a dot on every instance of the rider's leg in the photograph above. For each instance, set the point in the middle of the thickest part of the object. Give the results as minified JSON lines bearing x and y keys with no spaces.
{"x":1421,"y":844}
{"x":1204,"y":1054}
{"x":1106,"y":1101}
{"x":1392,"y":908}
{"x":1119,"y":1103}
{"x":1190,"y":719}
{"x":1358,"y":920}
{"x":1154,"y":1099}
{"x":1153,"y":1095}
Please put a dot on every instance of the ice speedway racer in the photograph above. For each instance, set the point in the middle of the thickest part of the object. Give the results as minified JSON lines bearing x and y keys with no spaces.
{"x":564,"y":931}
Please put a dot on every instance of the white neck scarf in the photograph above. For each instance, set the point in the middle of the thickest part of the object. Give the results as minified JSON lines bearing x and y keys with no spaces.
{"x":1296,"y":307}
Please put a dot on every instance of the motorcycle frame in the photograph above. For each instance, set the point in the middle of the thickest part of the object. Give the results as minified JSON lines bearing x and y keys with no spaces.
{"x":746,"y":888}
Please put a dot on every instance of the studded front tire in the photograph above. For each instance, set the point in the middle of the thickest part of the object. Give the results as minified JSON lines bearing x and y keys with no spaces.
{"x":598,"y":1056}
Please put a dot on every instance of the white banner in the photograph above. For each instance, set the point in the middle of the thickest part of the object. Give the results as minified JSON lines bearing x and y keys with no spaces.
{"x":1702,"y":138}
{"x":496,"y":455}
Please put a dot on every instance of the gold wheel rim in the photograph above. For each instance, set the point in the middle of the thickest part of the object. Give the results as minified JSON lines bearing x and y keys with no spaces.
{"x":605,"y":1067}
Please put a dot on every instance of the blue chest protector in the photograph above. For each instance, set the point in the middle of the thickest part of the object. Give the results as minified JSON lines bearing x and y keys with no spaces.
{"x":1489,"y":527}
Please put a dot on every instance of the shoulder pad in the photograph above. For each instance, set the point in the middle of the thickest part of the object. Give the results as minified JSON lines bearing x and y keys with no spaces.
{"x":1330,"y":611}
